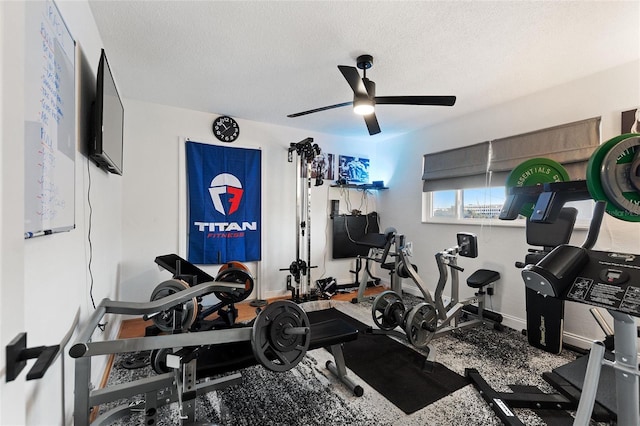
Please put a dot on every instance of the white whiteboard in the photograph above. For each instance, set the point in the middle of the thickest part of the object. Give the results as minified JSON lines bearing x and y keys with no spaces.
{"x":50,"y":121}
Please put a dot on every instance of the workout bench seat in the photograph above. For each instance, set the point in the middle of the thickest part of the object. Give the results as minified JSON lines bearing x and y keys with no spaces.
{"x":329,"y":334}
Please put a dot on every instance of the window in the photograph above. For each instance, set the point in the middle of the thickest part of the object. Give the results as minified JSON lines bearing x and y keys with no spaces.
{"x":479,"y":205}
{"x":459,"y":183}
{"x":464,"y":204}
{"x":444,"y":204}
{"x":482,"y":203}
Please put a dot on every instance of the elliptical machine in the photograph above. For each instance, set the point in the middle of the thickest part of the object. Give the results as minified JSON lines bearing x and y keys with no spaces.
{"x":433,"y":317}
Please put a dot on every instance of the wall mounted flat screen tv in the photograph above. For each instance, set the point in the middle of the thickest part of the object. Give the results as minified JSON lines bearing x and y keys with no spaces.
{"x":107,"y":138}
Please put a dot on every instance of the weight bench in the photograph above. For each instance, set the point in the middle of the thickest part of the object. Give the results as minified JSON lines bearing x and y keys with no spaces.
{"x":278,"y":338}
{"x":329,"y":334}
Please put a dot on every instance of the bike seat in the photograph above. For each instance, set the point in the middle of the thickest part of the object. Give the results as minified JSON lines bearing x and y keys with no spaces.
{"x":482,"y":277}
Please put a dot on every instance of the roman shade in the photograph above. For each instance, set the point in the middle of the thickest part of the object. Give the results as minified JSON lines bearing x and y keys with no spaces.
{"x":489,"y":163}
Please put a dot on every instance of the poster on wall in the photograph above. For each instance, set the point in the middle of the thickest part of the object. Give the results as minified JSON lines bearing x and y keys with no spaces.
{"x":631,"y":121}
{"x":224,"y":202}
{"x":353,"y":169}
{"x":322,"y":165}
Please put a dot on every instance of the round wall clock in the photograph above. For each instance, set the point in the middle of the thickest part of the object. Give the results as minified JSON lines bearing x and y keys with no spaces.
{"x":226,"y":129}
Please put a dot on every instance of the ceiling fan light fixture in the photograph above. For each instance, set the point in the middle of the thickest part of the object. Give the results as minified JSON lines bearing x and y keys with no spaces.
{"x":363,"y":106}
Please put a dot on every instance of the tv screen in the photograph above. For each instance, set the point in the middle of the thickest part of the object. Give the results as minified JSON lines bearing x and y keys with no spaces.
{"x":108,"y":121}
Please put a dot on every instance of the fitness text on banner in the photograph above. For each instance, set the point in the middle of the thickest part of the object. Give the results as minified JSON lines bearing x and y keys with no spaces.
{"x":224,"y":203}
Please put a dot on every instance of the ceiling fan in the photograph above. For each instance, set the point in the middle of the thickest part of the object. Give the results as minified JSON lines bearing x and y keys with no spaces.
{"x":365,"y":99}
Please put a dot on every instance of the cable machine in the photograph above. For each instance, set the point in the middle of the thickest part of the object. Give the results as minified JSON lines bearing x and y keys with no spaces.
{"x":306,"y":151}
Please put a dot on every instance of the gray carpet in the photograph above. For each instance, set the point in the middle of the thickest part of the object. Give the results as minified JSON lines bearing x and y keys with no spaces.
{"x":310,"y":395}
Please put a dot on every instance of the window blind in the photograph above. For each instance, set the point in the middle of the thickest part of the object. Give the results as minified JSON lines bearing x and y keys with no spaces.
{"x":489,"y":163}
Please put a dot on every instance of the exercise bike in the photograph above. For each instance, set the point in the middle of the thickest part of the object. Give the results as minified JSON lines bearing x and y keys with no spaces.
{"x":433,"y":317}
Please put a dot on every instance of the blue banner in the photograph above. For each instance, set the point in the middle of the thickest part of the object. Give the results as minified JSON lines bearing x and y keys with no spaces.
{"x":224,"y":203}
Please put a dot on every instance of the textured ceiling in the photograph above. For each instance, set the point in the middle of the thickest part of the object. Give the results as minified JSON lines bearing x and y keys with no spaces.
{"x":262,"y":60}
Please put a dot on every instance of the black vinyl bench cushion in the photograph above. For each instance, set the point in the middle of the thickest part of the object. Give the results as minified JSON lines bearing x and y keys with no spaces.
{"x":234,"y":356}
{"x":331,"y":332}
{"x":174,"y":264}
{"x":373,"y":240}
{"x":482,"y":277}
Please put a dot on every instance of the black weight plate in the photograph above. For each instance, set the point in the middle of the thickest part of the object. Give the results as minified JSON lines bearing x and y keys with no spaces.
{"x":158,"y":360}
{"x":382,"y":310}
{"x":275,"y":349}
{"x":421,"y":324}
{"x":164,"y":319}
{"x":235,"y":272}
{"x":279,"y":338}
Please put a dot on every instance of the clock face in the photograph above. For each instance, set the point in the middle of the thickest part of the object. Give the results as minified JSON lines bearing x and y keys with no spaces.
{"x":226,"y":129}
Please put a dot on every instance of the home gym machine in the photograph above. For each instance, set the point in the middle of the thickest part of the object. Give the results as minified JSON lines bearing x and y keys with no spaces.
{"x":433,"y":318}
{"x":278,"y":339}
{"x":193,"y":316}
{"x":545,"y":317}
{"x":604,"y":279}
{"x":306,"y":152}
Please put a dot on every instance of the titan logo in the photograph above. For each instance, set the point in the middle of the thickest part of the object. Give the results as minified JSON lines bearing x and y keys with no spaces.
{"x":226,"y":194}
{"x":223,"y":184}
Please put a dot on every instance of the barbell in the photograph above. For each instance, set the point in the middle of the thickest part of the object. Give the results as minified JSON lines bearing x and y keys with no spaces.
{"x":280,"y":337}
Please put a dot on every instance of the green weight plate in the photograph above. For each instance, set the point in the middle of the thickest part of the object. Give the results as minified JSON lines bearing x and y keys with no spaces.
{"x":615,"y":175}
{"x":595,"y":175}
{"x":533,"y":172}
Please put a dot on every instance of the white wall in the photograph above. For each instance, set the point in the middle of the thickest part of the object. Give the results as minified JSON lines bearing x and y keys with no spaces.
{"x":11,"y":216}
{"x":154,"y":218}
{"x":606,"y":94}
{"x":45,"y":280}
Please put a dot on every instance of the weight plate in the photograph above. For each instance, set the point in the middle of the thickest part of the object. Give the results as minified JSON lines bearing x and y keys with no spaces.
{"x":235,"y":272}
{"x":608,"y":179}
{"x":615,"y":175}
{"x":280,"y":335}
{"x":383,"y":310}
{"x":533,"y":172}
{"x":421,"y":324}
{"x":164,"y":320}
{"x":159,"y":360}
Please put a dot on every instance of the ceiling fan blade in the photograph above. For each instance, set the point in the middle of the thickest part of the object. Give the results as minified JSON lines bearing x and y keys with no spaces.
{"x":372,"y":123}
{"x":353,"y":78}
{"x":311,"y":111}
{"x":416,"y":100}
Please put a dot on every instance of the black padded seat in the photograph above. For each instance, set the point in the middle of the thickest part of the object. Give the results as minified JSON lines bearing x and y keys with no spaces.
{"x":373,"y":240}
{"x":482,"y":277}
{"x":233,"y":356}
